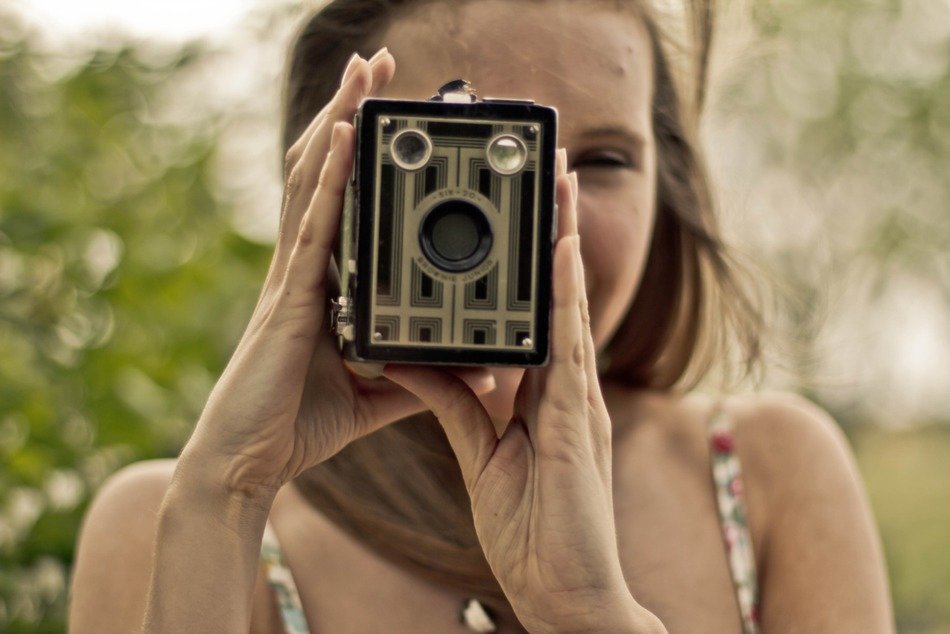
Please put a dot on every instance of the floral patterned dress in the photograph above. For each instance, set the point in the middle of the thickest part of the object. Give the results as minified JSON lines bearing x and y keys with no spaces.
{"x":727,"y":479}
{"x":732,"y":517}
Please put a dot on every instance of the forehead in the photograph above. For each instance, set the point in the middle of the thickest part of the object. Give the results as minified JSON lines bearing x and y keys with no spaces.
{"x":587,"y":59}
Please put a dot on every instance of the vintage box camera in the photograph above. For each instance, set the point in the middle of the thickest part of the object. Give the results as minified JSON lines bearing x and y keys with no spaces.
{"x":447,"y":234}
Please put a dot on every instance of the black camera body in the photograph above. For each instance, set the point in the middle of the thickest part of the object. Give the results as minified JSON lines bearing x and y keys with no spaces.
{"x":447,"y":235}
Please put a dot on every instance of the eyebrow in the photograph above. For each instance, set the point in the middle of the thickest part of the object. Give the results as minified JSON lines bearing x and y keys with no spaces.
{"x":629,"y":136}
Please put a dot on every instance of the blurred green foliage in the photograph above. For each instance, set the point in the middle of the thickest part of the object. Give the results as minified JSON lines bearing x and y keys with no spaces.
{"x":829,"y":134}
{"x":907,"y":475}
{"x":122,"y":291}
{"x":124,"y":283}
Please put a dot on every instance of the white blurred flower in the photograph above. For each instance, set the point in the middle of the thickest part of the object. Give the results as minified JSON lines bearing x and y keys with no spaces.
{"x":24,"y":506}
{"x":47,"y":579}
{"x":64,"y":489}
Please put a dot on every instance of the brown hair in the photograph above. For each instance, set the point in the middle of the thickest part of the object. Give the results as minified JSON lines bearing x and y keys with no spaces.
{"x":399,"y":490}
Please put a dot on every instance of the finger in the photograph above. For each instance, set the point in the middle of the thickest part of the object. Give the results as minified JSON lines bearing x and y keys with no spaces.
{"x":480,"y":380}
{"x":380,"y":402}
{"x":599,"y":425}
{"x":303,"y":176}
{"x":526,"y":400}
{"x":304,"y":285}
{"x":381,"y":69}
{"x":565,"y":319}
{"x":382,"y":66}
{"x":560,"y":162}
{"x":302,"y":158}
{"x":296,"y":150}
{"x":592,"y":424}
{"x":590,"y":354}
{"x":534,"y":378}
{"x":467,"y":425}
{"x":571,"y":225}
{"x":383,"y":402}
{"x":362,"y":78}
{"x":566,"y":381}
{"x":567,"y":213}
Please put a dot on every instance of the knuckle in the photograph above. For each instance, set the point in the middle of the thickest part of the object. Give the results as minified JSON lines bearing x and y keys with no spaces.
{"x":305,"y":235}
{"x":571,"y":353}
{"x":291,"y":158}
{"x":562,"y":404}
{"x":577,"y":354}
{"x":569,"y":451}
{"x":341,"y":107}
{"x":593,"y":400}
{"x":324,"y":182}
{"x":585,"y":313}
{"x":329,"y":182}
{"x":294,"y":180}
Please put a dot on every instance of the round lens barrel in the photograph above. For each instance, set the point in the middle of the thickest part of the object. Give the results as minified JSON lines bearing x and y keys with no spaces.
{"x":411,"y":149}
{"x":507,"y":154}
{"x":455,"y":236}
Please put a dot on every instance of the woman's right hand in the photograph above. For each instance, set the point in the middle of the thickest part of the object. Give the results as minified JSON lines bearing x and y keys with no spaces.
{"x":286,"y":401}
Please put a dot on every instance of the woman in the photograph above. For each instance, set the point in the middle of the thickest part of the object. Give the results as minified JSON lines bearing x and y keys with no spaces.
{"x":576,"y":497}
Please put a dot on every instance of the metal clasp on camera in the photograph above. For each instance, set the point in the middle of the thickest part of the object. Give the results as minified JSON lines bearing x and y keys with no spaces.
{"x":462,"y":91}
{"x":342,"y":318}
{"x":457,"y":91}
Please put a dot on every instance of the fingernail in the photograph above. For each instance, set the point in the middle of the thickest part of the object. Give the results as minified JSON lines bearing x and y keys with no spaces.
{"x":350,"y":65}
{"x":561,"y":161}
{"x":336,"y":133}
{"x":378,"y":55}
{"x":573,"y":177}
{"x":360,"y":78}
{"x":579,"y":266}
{"x":484,"y":385}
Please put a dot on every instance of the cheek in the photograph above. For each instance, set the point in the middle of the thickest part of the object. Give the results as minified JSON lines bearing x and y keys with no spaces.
{"x":614,"y":243}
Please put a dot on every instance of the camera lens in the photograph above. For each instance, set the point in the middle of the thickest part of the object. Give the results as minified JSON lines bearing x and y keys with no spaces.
{"x":411,"y":149}
{"x":455,"y":236}
{"x":507,"y":154}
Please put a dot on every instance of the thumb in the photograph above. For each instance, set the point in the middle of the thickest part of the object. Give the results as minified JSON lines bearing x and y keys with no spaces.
{"x":465,"y":421}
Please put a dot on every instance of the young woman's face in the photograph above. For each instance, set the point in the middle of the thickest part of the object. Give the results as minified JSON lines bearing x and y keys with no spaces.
{"x":595,"y":66}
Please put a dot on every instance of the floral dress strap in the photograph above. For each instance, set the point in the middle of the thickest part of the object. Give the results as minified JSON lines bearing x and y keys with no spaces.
{"x":282,"y":583}
{"x":727,"y":478}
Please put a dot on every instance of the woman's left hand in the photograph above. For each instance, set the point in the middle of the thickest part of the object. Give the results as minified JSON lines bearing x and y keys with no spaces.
{"x":541,"y":494}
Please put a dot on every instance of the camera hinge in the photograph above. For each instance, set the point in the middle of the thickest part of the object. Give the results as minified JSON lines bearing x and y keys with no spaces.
{"x":342,"y":317}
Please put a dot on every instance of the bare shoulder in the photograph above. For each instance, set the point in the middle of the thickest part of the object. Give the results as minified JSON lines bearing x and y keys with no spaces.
{"x":124,"y":511}
{"x":778,"y":435}
{"x":820,"y":563}
{"x":113,"y":555}
{"x":148,"y":479}
{"x":790,"y":451}
{"x":126,"y":505}
{"x":113,"y":565}
{"x":785,"y":439}
{"x":823,"y":566}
